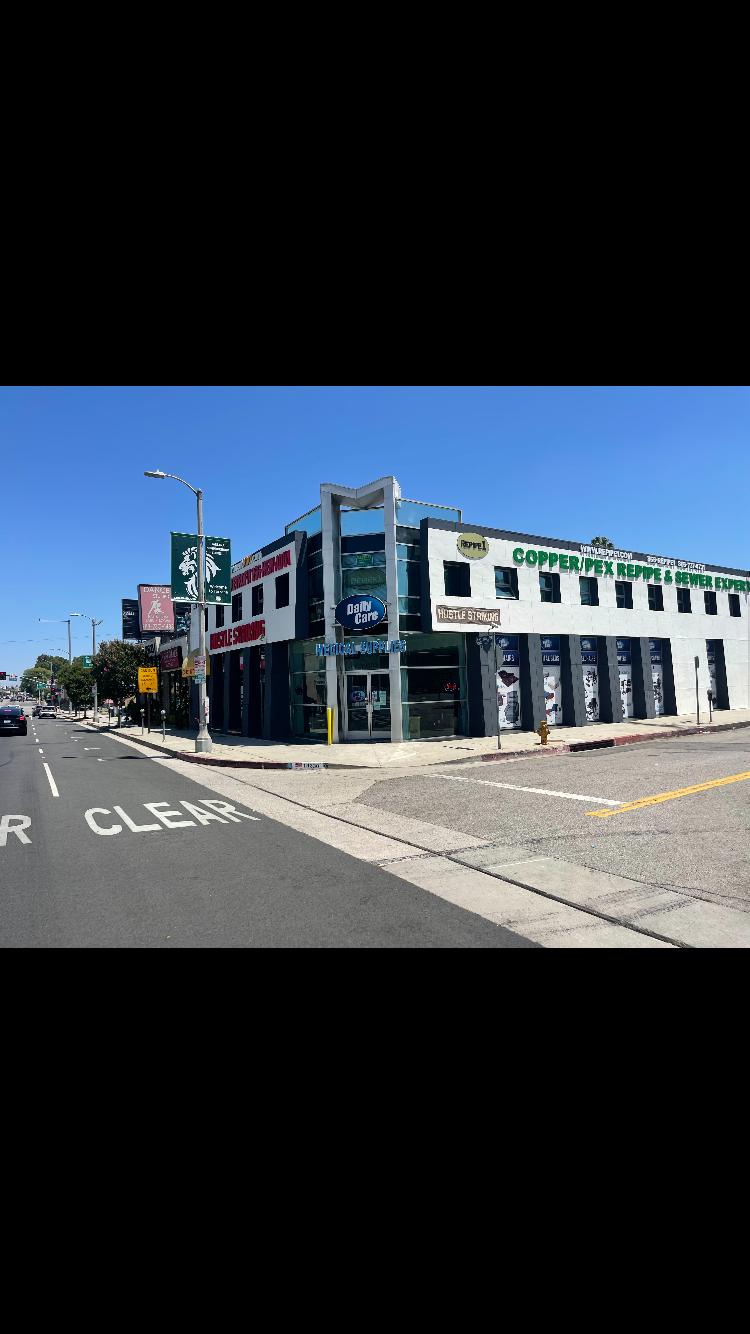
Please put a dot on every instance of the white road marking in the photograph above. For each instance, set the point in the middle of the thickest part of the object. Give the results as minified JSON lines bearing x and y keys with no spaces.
{"x":162,"y":815}
{"x":17,"y":829}
{"x":92,"y":748}
{"x":91,"y":822}
{"x":203,"y":816}
{"x":225,"y":809}
{"x":41,"y":752}
{"x":513,"y":787}
{"x":136,"y":828}
{"x":52,"y":782}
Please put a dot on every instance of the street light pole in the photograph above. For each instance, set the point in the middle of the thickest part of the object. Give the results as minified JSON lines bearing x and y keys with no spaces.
{"x":59,"y":620}
{"x":94,"y":624}
{"x":203,"y":740}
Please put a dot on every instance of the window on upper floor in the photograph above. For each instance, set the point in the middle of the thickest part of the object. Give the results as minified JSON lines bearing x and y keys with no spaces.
{"x":655,"y":597}
{"x":549,"y":587}
{"x":258,"y":600}
{"x":589,"y":592}
{"x":219,"y":617}
{"x":457,"y":579}
{"x":237,"y":607}
{"x":734,"y":604}
{"x":709,"y":601}
{"x":506,"y":583}
{"x":683,"y":600}
{"x":624,"y":595}
{"x":282,"y":590}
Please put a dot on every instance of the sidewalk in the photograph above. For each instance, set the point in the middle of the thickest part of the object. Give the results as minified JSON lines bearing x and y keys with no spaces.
{"x":236,"y":751}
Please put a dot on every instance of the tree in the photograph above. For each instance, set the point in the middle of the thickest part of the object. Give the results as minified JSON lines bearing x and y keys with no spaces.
{"x":31,"y":676}
{"x":49,"y":664}
{"x":76,"y":681}
{"x":602,"y":542}
{"x":115,"y":669}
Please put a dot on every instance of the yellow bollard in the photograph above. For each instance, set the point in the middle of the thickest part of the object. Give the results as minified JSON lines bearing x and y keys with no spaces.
{"x":330,"y":726}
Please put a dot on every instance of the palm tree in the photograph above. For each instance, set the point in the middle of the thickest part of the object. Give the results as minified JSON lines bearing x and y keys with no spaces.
{"x":602,"y":542}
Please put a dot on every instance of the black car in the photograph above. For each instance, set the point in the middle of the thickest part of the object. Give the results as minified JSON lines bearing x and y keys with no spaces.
{"x":12,"y":720}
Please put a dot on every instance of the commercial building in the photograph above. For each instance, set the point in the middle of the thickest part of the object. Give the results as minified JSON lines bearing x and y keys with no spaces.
{"x":484,"y":628}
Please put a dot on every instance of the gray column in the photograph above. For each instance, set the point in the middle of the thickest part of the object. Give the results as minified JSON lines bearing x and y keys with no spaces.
{"x":610,"y":699}
{"x":481,"y":686}
{"x":571,"y":673}
{"x":330,"y":513}
{"x":533,"y":706}
{"x":226,"y":659}
{"x":667,"y":678}
{"x":390,"y":492}
{"x":643,"y":682}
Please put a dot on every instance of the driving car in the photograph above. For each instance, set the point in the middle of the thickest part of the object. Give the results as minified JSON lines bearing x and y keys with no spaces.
{"x":12,"y":720}
{"x":48,"y":711}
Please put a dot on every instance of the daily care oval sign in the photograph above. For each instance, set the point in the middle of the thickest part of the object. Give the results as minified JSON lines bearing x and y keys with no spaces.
{"x":360,"y":613}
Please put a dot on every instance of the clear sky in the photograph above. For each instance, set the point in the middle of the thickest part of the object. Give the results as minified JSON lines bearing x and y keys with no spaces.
{"x":658,"y":470}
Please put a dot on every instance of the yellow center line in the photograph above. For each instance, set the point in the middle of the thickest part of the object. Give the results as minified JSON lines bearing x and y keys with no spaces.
{"x":670,"y":796}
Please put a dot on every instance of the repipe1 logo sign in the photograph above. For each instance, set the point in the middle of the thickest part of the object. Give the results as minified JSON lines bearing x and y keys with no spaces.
{"x":472,"y":545}
{"x":360,"y":613}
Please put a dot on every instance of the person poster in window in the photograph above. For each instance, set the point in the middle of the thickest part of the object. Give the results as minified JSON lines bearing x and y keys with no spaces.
{"x":656,"y":675}
{"x":508,"y":681}
{"x":552,"y":679}
{"x":590,"y":665}
{"x":626,"y":682}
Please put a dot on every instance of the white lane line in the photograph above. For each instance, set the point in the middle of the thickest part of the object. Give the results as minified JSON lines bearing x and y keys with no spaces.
{"x":41,"y":752}
{"x":513,"y":787}
{"x":52,"y":782}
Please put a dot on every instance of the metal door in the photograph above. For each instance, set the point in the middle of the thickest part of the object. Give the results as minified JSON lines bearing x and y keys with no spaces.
{"x":368,"y":706}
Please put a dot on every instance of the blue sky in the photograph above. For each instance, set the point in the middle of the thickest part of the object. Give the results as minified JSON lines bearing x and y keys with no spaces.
{"x":659,"y":470}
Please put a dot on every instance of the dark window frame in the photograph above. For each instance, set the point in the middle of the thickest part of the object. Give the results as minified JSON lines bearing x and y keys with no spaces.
{"x":555,"y":590}
{"x":734,"y":605}
{"x":709,"y":602}
{"x":683,"y":597}
{"x":626,"y":595}
{"x":504,"y":569}
{"x":457,"y":574}
{"x":257,"y":600}
{"x":655,"y":597}
{"x":219,"y":618}
{"x":282,"y":590}
{"x":593,"y":590}
{"x":236,"y":607}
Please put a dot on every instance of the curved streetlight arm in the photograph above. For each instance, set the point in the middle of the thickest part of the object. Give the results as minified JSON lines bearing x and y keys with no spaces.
{"x":161,"y":475}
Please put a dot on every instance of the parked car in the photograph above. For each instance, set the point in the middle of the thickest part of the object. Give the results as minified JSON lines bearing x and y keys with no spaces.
{"x":13,"y":719}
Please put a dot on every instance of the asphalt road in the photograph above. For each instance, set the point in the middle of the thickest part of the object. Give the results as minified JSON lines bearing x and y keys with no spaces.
{"x":698,"y":842}
{"x":191,"y":873}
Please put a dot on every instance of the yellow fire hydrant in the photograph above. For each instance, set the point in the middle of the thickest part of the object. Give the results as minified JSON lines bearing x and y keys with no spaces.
{"x":543,"y":731}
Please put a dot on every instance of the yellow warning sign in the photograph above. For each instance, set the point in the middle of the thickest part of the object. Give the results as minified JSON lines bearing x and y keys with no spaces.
{"x":147,"y":680}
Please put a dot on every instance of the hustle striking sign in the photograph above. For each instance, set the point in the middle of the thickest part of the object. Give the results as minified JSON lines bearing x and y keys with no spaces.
{"x":468,"y":615}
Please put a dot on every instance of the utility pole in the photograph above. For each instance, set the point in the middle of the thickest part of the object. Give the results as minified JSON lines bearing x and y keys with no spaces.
{"x":94,"y":624}
{"x":203,"y":740}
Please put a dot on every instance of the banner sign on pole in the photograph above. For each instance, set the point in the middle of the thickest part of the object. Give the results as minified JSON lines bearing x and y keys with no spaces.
{"x":184,"y":567}
{"x":157,"y":612}
{"x":147,"y":680}
{"x":200,"y":670}
{"x":218,"y":569}
{"x":131,"y":626}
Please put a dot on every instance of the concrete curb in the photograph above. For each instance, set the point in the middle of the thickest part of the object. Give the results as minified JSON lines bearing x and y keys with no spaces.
{"x":605,"y":743}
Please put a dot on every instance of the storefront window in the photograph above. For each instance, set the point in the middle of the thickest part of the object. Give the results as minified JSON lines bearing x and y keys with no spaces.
{"x":433,"y":687}
{"x":307,"y":684}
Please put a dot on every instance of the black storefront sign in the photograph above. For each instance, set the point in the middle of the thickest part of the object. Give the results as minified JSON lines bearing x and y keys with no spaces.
{"x":550,"y":650}
{"x":131,"y":625}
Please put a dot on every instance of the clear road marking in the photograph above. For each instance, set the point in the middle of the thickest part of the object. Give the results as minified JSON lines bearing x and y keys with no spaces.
{"x":52,"y":782}
{"x":91,"y":822}
{"x":7,"y":828}
{"x":670,"y":796}
{"x":136,"y":828}
{"x":513,"y":787}
{"x":203,"y":816}
{"x":41,"y":752}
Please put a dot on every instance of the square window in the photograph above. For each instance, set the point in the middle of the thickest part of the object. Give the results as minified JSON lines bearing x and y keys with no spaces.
{"x":219,"y":617}
{"x":457,"y":579}
{"x":258,"y":600}
{"x":683,"y":600}
{"x":734,"y":604}
{"x":282,"y":590}
{"x":655,"y":597}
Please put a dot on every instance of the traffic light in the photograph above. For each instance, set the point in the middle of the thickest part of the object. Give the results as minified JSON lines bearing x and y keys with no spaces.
{"x":3,"y":676}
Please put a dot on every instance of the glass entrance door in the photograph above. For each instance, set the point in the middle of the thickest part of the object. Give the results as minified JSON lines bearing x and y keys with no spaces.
{"x":368,"y":706}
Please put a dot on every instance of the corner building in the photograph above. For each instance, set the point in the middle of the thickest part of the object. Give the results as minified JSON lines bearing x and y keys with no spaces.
{"x":484,"y":629}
